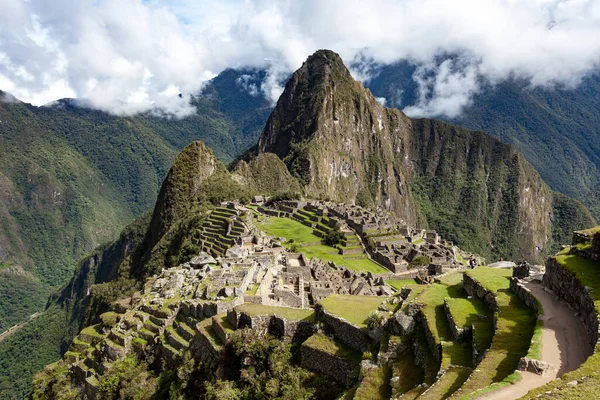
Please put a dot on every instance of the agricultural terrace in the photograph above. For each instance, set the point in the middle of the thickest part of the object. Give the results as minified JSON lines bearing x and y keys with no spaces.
{"x":308,"y":243}
{"x":588,"y":374}
{"x":511,"y":341}
{"x":354,"y":309}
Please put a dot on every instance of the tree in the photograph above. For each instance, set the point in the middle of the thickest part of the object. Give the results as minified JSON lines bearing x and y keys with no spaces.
{"x":333,"y":237}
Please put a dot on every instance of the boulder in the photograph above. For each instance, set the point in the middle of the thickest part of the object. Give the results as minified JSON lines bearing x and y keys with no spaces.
{"x":403,"y":324}
{"x":535,"y":366}
{"x":201,"y":260}
{"x":405,"y":292}
{"x":522,"y":270}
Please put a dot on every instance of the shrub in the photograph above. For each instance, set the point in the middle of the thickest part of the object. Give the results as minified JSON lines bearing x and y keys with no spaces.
{"x":420,"y":261}
{"x":374,"y":320}
{"x":333,"y":237}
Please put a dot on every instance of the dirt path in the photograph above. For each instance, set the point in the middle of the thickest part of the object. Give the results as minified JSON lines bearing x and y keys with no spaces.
{"x":563,"y":339}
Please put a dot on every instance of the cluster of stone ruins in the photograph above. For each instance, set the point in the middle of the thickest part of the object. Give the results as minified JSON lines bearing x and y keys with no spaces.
{"x":198,"y":304}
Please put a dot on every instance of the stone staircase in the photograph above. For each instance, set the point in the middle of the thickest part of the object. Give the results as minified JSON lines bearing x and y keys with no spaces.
{"x":220,"y":231}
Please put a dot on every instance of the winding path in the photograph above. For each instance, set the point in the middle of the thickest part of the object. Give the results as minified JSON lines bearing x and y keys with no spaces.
{"x":563,"y":338}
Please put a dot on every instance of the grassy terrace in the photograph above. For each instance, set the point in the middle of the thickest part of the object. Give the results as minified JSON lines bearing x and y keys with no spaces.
{"x":432,"y":298}
{"x":293,"y":314}
{"x":354,"y":309}
{"x":586,"y":271}
{"x":400,"y":283}
{"x":311,"y":246}
{"x":515,"y":327}
{"x":410,"y":375}
{"x":465,"y":313}
{"x":448,"y":384}
{"x":328,"y":345}
{"x":374,"y":385}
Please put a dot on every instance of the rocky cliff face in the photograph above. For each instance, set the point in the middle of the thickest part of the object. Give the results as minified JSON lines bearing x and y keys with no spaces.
{"x":343,"y":145}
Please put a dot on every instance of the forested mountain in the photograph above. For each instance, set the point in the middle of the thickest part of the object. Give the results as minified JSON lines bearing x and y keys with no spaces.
{"x":557,"y":129}
{"x":72,"y":177}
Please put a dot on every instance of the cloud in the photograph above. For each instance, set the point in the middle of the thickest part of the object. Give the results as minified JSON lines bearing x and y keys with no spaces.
{"x":128,"y":56}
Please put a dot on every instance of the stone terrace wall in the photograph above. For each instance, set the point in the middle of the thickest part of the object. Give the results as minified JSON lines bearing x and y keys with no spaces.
{"x":346,"y":332}
{"x":297,"y":331}
{"x":458,"y":332}
{"x":566,"y":286}
{"x":316,"y":360}
{"x":435,"y":347}
{"x":524,"y":294}
{"x":475,"y":289}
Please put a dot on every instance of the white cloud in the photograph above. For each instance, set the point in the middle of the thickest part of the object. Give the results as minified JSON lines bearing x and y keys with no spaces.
{"x":128,"y":56}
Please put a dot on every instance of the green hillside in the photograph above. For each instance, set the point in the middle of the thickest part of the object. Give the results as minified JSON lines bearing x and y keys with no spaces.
{"x":72,"y":177}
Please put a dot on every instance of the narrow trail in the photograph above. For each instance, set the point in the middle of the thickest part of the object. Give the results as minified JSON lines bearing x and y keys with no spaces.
{"x":563,"y":345}
{"x":15,"y":328}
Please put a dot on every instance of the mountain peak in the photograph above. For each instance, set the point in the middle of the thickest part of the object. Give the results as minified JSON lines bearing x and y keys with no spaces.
{"x":315,"y":95}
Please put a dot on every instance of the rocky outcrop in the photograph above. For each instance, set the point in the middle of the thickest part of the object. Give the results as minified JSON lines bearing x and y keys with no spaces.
{"x":567,"y":287}
{"x":536,"y":366}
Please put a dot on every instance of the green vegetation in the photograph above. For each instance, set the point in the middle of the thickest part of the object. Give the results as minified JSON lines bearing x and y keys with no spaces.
{"x":449,"y":383}
{"x":432,"y":298}
{"x":420,"y":261}
{"x":354,"y":309}
{"x":515,"y":327}
{"x":468,"y":312}
{"x":309,"y":244}
{"x":375,"y":385}
{"x":329,"y":345}
{"x":410,"y":374}
{"x":270,"y":375}
{"x":398,"y":284}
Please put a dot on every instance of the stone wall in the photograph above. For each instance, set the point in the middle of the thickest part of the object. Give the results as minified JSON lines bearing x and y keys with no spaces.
{"x":346,"y":332}
{"x":297,"y":331}
{"x":458,"y":332}
{"x":475,"y":289}
{"x":288,"y":299}
{"x":320,"y":361}
{"x":524,"y":294}
{"x":567,"y":287}
{"x":435,"y":347}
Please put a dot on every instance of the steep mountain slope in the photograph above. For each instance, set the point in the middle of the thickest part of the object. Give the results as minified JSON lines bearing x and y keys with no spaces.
{"x":196,"y":183}
{"x":71,"y":177}
{"x":556,"y":129}
{"x":343,"y":145}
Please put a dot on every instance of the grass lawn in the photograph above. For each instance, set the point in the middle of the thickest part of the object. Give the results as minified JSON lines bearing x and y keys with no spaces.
{"x":309,"y":244}
{"x":515,"y":327}
{"x":400,"y":283}
{"x":354,"y":309}
{"x":295,"y":314}
{"x":328,"y":345}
